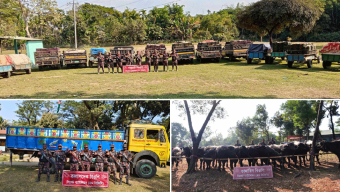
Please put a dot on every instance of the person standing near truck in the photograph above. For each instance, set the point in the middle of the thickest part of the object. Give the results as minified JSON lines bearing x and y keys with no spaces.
{"x":119,"y":61}
{"x":155,"y":57}
{"x":100,"y":58}
{"x":99,"y":154}
{"x":110,"y":64}
{"x":86,"y":158}
{"x":174,"y":57}
{"x":147,"y":59}
{"x":138,"y":58}
{"x":126,"y":157}
{"x":166,"y":62}
{"x":44,"y":155}
{"x":111,"y":165}
{"x":128,"y":59}
{"x":60,"y":158}
{"x":74,"y":158}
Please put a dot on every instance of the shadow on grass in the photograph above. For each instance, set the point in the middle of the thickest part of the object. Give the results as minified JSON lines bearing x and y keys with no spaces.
{"x":83,"y":95}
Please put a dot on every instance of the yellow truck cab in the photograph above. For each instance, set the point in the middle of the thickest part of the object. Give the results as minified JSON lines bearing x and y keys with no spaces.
{"x":150,"y":146}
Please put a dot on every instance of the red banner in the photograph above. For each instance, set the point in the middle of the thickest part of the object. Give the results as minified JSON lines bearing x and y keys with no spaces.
{"x":135,"y":68}
{"x":85,"y":179}
{"x":258,"y":172}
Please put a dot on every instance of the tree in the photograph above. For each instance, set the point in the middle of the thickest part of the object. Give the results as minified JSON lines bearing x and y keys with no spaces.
{"x":49,"y":120}
{"x":29,"y":112}
{"x":3,"y":123}
{"x":244,"y":130}
{"x":261,"y":121}
{"x":273,"y":16}
{"x":316,"y":133}
{"x":178,"y":134}
{"x":199,"y":107}
{"x":332,"y":110}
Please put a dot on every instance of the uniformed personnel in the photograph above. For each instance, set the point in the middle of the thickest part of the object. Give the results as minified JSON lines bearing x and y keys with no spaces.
{"x":128,"y":59}
{"x":60,"y":159}
{"x":74,"y":158}
{"x":174,"y":57}
{"x":44,"y":155}
{"x":138,"y":58}
{"x":100,"y":58}
{"x":111,"y":165}
{"x":148,"y":59}
{"x":126,"y":157}
{"x":99,"y":154}
{"x":119,"y":58}
{"x":166,"y":62}
{"x":110,"y":63}
{"x":155,"y":57}
{"x":86,"y":158}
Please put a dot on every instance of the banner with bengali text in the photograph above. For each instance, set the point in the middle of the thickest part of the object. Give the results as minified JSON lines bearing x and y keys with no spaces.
{"x":85,"y":179}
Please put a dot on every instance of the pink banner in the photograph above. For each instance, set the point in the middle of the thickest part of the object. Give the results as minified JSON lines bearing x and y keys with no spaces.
{"x":85,"y":179}
{"x":135,"y":68}
{"x":258,"y":172}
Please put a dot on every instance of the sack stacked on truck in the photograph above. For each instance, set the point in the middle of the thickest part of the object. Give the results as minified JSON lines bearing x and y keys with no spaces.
{"x":236,"y":45}
{"x":20,"y":59}
{"x":333,"y":47}
{"x":301,"y":48}
{"x":5,"y":60}
{"x":280,"y":46}
{"x":47,"y":55}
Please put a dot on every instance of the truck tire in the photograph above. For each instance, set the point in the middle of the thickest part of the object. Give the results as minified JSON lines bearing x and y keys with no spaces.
{"x":290,"y":64}
{"x":326,"y":64}
{"x":319,"y":59}
{"x":7,"y":74}
{"x":282,"y":58}
{"x":192,"y":61}
{"x":146,"y":169}
{"x":309,"y":63}
{"x":249,"y":60}
{"x":90,"y":63}
{"x":28,"y":71}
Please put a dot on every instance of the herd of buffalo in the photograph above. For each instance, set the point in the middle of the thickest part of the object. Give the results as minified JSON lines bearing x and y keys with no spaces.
{"x":220,"y":156}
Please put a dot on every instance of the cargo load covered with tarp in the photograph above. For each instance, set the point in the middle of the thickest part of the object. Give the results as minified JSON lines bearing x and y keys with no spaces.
{"x":5,"y":60}
{"x":95,"y":51}
{"x":259,"y":48}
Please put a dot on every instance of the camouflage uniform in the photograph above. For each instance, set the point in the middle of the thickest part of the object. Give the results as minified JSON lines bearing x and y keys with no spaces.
{"x":85,"y":161}
{"x":138,"y":59}
{"x":74,"y":163}
{"x":44,"y":163}
{"x":128,"y":59}
{"x":119,"y":62}
{"x":99,"y":161}
{"x":125,"y":164}
{"x":148,"y":60}
{"x":110,"y":63}
{"x":59,"y":163}
{"x":155,"y":62}
{"x":100,"y":62}
{"x":111,"y":166}
{"x":166,"y":61}
{"x":174,"y":57}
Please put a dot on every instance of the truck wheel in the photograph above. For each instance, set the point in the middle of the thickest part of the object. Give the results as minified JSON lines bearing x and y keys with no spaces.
{"x":271,"y":60}
{"x":7,"y":75}
{"x":28,"y":71}
{"x":192,"y":61}
{"x":290,"y":64}
{"x":326,"y":64}
{"x":309,"y":63}
{"x":146,"y":169}
{"x":249,"y":60}
{"x":266,"y":60}
{"x":41,"y":68}
{"x":282,"y":58}
{"x":91,"y":64}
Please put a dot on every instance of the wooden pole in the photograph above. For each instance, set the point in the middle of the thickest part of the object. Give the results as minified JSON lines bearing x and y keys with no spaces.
{"x":0,"y":47}
{"x":10,"y":158}
{"x":316,"y":133}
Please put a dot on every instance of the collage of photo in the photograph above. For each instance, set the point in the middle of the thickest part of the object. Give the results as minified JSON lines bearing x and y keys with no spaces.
{"x":173,"y":95}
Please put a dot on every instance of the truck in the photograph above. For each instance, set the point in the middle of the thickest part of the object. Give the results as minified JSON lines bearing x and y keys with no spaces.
{"x":122,"y":50}
{"x":21,"y":62}
{"x":161,"y":50}
{"x":261,"y":51}
{"x":330,"y":53}
{"x":302,"y":53}
{"x":48,"y":57}
{"x":94,"y":54}
{"x":75,"y":57}
{"x":148,"y":143}
{"x":236,"y":49}
{"x":5,"y":66}
{"x":209,"y":49}
{"x":185,"y":51}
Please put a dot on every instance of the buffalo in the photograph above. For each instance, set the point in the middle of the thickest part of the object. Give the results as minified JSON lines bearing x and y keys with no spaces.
{"x":333,"y":146}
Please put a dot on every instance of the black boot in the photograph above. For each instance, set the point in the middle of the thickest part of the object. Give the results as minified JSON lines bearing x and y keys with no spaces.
{"x":38,"y":179}
{"x":120,"y":183}
{"x":115,"y":181}
{"x":127,"y":182}
{"x":56,"y":179}
{"x":48,"y":178}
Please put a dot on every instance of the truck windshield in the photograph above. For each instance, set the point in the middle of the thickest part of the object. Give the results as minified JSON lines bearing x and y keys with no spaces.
{"x":152,"y":134}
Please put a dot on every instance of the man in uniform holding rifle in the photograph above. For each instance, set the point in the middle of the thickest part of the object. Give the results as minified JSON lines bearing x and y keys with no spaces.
{"x":112,"y":161}
{"x":74,"y":158}
{"x":60,"y":158}
{"x":126,"y":157}
{"x":99,"y":159}
{"x":86,"y":158}
{"x":44,"y":162}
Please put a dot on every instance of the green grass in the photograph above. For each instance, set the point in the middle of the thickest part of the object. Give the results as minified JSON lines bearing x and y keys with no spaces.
{"x":21,"y":178}
{"x":6,"y":157}
{"x":226,"y":79}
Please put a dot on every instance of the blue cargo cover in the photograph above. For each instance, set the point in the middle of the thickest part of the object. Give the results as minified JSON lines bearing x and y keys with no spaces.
{"x":95,"y":51}
{"x":259,"y":48}
{"x":33,"y":138}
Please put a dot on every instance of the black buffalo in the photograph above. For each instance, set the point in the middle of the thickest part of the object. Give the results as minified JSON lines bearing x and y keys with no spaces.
{"x":333,"y":147}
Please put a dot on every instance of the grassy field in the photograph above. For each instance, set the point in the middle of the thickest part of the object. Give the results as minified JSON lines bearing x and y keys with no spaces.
{"x":22,"y":178}
{"x":225,"y":79}
{"x":325,"y":178}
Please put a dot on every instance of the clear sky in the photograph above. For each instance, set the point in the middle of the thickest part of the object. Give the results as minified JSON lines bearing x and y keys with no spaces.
{"x":192,"y":6}
{"x":236,"y":109}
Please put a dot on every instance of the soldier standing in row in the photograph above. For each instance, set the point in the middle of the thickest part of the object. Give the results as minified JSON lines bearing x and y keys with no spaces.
{"x":110,"y":64}
{"x":126,"y":157}
{"x":128,"y":59}
{"x":100,"y":58}
{"x":138,"y":58}
{"x":60,"y":158}
{"x":99,"y":154}
{"x":155,"y":57}
{"x":262,"y":143}
{"x":271,"y":142}
{"x":86,"y":158}
{"x":166,"y":62}
{"x":119,"y":61}
{"x":74,"y":158}
{"x":174,"y":59}
{"x":147,"y":59}
{"x":111,"y":166}
{"x":237,"y":143}
{"x":44,"y":156}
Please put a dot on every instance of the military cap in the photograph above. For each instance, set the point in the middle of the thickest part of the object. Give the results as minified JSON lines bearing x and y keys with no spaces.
{"x":74,"y":146}
{"x":99,"y":145}
{"x":59,"y":145}
{"x":112,"y":145}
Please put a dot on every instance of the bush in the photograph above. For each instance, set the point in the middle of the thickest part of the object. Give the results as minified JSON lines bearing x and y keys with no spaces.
{"x":325,"y":37}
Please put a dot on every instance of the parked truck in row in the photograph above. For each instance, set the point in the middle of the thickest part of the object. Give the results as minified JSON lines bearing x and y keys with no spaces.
{"x":48,"y":57}
{"x":123,"y":50}
{"x":185,"y":51}
{"x":236,"y":49}
{"x":161,"y":50}
{"x":148,"y":143}
{"x":209,"y":49}
{"x":75,"y":58}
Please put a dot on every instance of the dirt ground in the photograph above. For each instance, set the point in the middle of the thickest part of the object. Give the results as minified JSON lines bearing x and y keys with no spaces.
{"x":325,"y":178}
